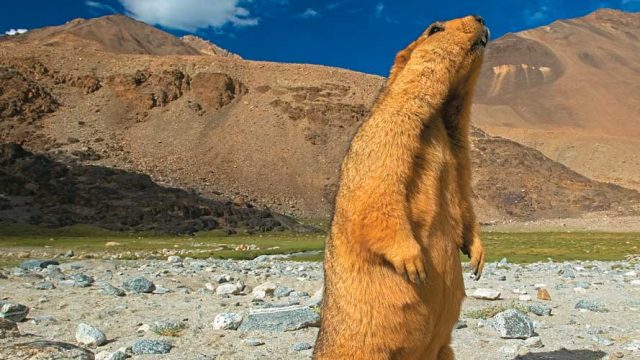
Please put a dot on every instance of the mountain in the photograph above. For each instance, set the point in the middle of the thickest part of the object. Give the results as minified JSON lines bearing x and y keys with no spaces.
{"x":261,"y":133}
{"x":571,"y":90}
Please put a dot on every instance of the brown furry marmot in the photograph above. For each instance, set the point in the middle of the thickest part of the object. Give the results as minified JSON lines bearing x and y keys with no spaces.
{"x":393,"y":276}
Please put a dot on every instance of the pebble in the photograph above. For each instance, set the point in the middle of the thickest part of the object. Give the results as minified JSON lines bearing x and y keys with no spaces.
{"x":45,"y":285}
{"x":81,"y":280}
{"x":524,"y":297}
{"x":533,"y":342}
{"x":282,"y":291}
{"x":602,"y":341}
{"x":138,"y":285}
{"x":227,"y":321}
{"x":591,"y":306}
{"x":543,"y":294}
{"x":89,"y":335}
{"x":110,"y":290}
{"x":229,"y":289}
{"x":287,"y":318}
{"x":264,"y":290}
{"x":486,"y":294}
{"x":253,"y":342}
{"x":512,"y":324}
{"x":540,"y":309}
{"x":13,"y":311}
{"x":301,"y":346}
{"x":116,"y":355}
{"x":33,"y":264}
{"x":145,"y":346}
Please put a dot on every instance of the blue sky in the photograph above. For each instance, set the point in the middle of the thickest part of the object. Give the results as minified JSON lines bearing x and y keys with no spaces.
{"x":361,"y":35}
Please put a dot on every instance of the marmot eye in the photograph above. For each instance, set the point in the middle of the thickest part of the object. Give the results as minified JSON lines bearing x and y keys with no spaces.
{"x":436,"y":28}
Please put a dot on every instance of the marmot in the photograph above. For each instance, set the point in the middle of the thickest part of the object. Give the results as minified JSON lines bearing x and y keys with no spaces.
{"x":393,"y":275}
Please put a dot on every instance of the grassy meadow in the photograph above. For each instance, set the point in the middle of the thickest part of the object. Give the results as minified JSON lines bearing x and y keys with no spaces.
{"x":519,"y":247}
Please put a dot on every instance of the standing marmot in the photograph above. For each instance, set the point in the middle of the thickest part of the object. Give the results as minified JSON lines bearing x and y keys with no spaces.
{"x":393,"y":277}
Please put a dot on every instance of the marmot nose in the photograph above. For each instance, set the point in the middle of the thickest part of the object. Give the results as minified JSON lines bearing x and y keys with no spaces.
{"x":479,"y":19}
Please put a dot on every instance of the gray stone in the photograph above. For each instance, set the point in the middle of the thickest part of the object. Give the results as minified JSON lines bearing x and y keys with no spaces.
{"x":138,"y":285}
{"x":298,"y":294}
{"x":229,"y":289}
{"x":316,"y":299}
{"x":591,"y":306}
{"x":486,"y":294}
{"x":110,"y":290}
{"x":90,"y":335}
{"x":253,"y":342}
{"x":602,"y":341}
{"x":512,"y":324}
{"x":81,"y":280}
{"x":281,"y":319}
{"x":227,"y":321}
{"x":144,"y":346}
{"x":45,"y":320}
{"x":116,"y":355}
{"x":460,"y":324}
{"x":282,"y":291}
{"x":301,"y":346}
{"x":45,"y":285}
{"x":540,"y":309}
{"x":264,"y":290}
{"x":33,"y":264}
{"x":533,"y":342}
{"x":222,"y":278}
{"x":12,"y":311}
{"x":165,"y":328}
{"x":581,"y":285}
{"x":567,"y":272}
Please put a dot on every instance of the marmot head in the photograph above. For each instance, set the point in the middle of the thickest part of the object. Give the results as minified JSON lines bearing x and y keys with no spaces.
{"x":453,"y":48}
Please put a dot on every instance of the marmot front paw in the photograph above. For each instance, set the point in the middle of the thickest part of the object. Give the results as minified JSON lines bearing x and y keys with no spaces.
{"x":410,"y":263}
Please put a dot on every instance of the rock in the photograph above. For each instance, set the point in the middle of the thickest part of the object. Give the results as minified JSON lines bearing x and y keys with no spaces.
{"x":265,"y":290}
{"x":12,"y":311}
{"x":633,"y":346}
{"x":138,"y":285}
{"x":602,"y":341}
{"x":543,"y":294}
{"x":301,"y":346}
{"x":47,"y":350}
{"x":33,"y":264}
{"x":533,"y":342}
{"x":524,"y":298}
{"x":287,"y":318}
{"x":460,"y":324}
{"x":512,"y":324}
{"x":174,"y":260}
{"x":282,"y":291}
{"x":116,"y":355}
{"x":81,"y":280}
{"x":89,"y":335}
{"x":144,"y":346}
{"x":486,"y":294}
{"x":161,"y":290}
{"x":253,"y":342}
{"x":299,"y":294}
{"x":229,"y":289}
{"x":45,"y":320}
{"x":167,"y":328}
{"x":8,"y":329}
{"x":45,"y":285}
{"x":110,"y":290}
{"x":540,"y":309}
{"x":581,"y":285}
{"x":223,"y":278}
{"x":316,"y":299}
{"x":539,"y":286}
{"x":631,"y":274}
{"x":635,"y":282}
{"x":502,"y":278}
{"x":227,"y":321}
{"x":567,"y":272}
{"x":591,"y":306}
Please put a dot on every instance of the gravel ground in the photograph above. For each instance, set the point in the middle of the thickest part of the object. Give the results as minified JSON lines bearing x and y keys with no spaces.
{"x":197,"y":304}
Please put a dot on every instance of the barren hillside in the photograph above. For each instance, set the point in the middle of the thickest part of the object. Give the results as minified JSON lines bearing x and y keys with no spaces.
{"x":570,"y":90}
{"x":264,"y":133}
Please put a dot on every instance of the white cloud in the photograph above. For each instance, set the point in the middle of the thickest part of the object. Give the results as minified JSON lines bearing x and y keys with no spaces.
{"x":631,"y":5}
{"x":190,"y":15}
{"x":539,"y":15}
{"x":100,"y":6}
{"x":12,"y":32}
{"x":309,"y":13}
{"x":377,"y":12}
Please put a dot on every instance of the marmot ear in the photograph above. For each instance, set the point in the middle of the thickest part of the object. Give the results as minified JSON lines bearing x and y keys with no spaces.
{"x":400,"y":61}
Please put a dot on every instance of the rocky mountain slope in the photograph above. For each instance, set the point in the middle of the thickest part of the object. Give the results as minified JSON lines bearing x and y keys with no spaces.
{"x":264,"y":133}
{"x":570,"y":90}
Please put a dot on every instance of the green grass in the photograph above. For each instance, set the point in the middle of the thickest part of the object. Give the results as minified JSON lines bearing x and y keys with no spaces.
{"x":518,"y":247}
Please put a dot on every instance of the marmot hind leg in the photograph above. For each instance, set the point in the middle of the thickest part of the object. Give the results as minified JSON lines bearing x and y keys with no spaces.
{"x":446,"y":353}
